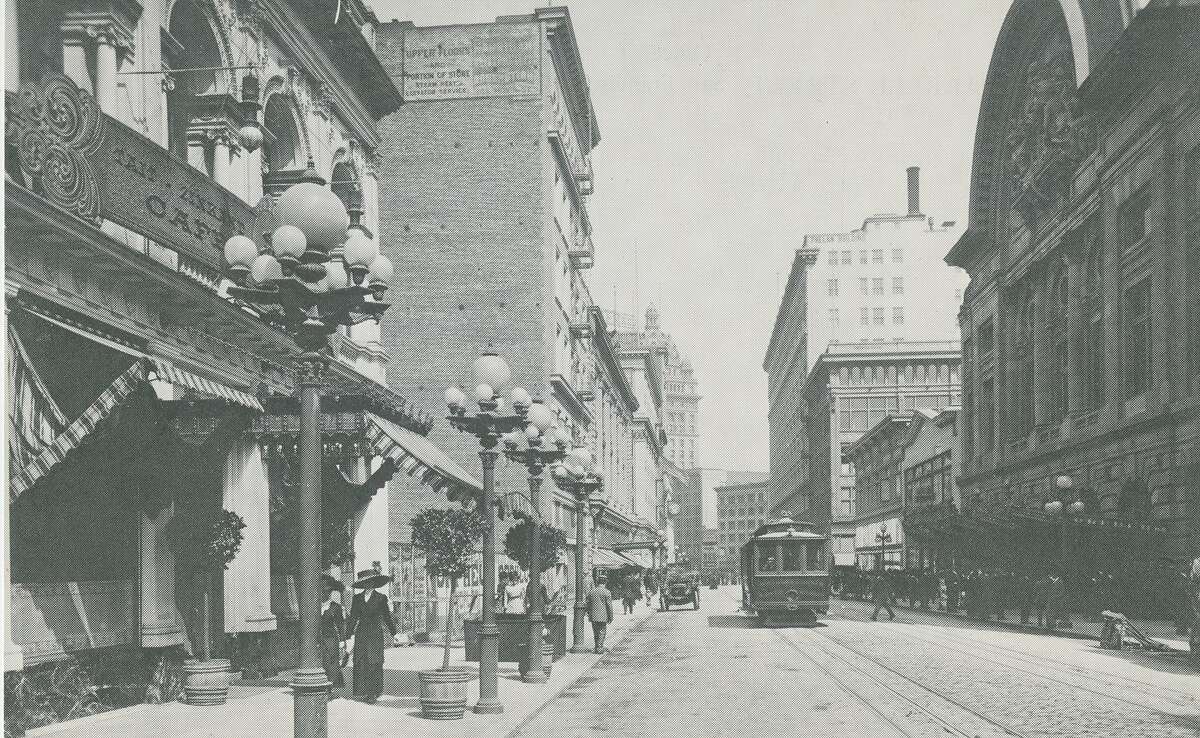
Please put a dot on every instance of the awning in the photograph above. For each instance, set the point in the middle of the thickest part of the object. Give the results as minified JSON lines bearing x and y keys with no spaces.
{"x":118,"y":392}
{"x":609,"y":559}
{"x":417,"y":455}
{"x":34,"y":418}
{"x":173,"y":374}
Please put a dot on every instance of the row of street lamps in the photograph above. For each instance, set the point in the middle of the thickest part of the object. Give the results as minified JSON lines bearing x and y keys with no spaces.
{"x":320,"y":272}
{"x":531,"y":437}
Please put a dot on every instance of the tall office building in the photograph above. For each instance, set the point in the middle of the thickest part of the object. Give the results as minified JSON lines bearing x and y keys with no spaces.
{"x":883,"y":283}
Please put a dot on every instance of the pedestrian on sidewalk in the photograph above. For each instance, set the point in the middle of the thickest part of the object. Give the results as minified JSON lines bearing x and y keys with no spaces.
{"x":600,"y":611}
{"x":881,"y":594}
{"x":1025,"y":587}
{"x":631,"y":592}
{"x":514,"y":594}
{"x":333,"y":635}
{"x":370,"y":616}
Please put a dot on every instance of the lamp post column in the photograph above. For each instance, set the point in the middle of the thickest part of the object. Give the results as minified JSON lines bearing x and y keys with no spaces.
{"x":309,"y":684}
{"x":535,"y":673}
{"x":489,"y":634}
{"x":577,"y":637}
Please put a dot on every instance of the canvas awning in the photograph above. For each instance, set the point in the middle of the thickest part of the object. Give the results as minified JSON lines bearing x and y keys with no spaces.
{"x":173,"y":374}
{"x":417,"y":456}
{"x":34,"y":418}
{"x":608,"y":559}
{"x":70,"y":439}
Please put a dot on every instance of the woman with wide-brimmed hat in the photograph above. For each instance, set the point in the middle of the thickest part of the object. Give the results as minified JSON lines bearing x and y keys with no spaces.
{"x":333,"y":633}
{"x":370,"y":615}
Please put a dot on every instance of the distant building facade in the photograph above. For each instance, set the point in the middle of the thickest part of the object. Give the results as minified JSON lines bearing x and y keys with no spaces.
{"x":681,"y":401}
{"x":699,"y":507}
{"x":1081,"y":326}
{"x":849,"y":390}
{"x":884,"y":282}
{"x":741,"y":509}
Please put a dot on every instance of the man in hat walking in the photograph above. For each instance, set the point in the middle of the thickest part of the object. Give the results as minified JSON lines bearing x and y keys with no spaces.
{"x":370,"y":615}
{"x":600,"y":612}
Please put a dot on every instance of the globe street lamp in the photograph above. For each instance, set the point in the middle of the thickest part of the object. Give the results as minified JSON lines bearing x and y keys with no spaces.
{"x":300,"y":285}
{"x":882,"y":538}
{"x":488,"y":425}
{"x":1056,"y":508}
{"x":545,"y":445}
{"x":576,"y":476}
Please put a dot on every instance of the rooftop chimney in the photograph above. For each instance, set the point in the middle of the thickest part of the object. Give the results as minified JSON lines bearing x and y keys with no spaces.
{"x":914,"y":191}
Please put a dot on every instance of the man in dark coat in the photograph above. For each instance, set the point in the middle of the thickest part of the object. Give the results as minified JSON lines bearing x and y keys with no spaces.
{"x":600,"y":612}
{"x":1056,"y":601}
{"x":881,"y":595}
{"x":1041,"y":588}
{"x":370,"y":615}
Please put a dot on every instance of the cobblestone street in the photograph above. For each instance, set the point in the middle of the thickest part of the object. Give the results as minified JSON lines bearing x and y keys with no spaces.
{"x":713,"y":672}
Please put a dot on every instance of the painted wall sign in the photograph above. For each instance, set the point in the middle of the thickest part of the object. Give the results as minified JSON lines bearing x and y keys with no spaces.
{"x":92,"y":165}
{"x":471,"y":61}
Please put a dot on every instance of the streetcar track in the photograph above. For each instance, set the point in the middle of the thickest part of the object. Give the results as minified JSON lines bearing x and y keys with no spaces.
{"x":1163,"y":693}
{"x":937,"y":719}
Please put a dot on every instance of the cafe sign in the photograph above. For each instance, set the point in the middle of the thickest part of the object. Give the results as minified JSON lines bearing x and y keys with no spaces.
{"x":93,"y":166}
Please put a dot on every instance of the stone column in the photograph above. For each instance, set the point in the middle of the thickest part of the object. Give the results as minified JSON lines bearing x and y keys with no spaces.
{"x":13,"y":660}
{"x":106,"y":71}
{"x":75,"y":57}
{"x":197,"y":143}
{"x":161,"y":622}
{"x":248,"y":576}
{"x":12,"y":49}
{"x":1076,"y":332}
{"x":1043,"y":294}
{"x":222,"y":164}
{"x":370,"y":521}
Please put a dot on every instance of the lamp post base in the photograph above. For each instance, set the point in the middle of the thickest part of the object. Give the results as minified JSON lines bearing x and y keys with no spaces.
{"x":490,"y":706}
{"x":310,"y":690}
{"x":578,"y":644}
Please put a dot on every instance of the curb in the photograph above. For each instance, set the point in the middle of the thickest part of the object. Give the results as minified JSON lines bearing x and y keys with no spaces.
{"x":536,"y":711}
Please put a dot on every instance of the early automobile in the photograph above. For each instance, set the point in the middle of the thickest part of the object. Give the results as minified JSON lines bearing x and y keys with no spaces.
{"x":682,"y":587}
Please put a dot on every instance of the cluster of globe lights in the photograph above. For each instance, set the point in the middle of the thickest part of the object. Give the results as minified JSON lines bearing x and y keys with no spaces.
{"x":1055,"y":507}
{"x":492,"y":373}
{"x":315,"y":227}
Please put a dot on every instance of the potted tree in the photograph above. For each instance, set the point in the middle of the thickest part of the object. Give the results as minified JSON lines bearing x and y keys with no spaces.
{"x":449,"y":538}
{"x":552,"y":543}
{"x":202,"y":544}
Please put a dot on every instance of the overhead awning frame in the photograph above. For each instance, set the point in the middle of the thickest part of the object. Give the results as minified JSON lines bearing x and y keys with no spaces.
{"x":417,"y":456}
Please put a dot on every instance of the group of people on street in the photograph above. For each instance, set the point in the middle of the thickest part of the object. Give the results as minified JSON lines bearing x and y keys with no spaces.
{"x":981,"y":594}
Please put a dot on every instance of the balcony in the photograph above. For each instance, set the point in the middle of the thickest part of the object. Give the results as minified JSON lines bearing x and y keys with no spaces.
{"x":581,"y":252}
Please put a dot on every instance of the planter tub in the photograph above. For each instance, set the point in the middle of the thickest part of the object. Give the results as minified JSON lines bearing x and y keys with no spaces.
{"x":206,"y":682}
{"x":514,"y":636}
{"x":443,"y":694}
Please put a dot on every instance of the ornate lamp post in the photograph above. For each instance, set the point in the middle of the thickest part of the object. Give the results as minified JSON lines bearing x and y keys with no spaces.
{"x":577,"y":476}
{"x":1056,"y":508}
{"x":313,"y":279}
{"x":488,"y":425}
{"x":546,"y":445}
{"x":883,"y":538}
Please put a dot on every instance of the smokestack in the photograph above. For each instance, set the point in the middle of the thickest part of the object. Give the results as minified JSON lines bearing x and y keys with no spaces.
{"x":914,"y":190}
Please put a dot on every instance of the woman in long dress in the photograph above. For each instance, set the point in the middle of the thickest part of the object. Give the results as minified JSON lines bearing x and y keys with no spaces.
{"x":514,"y":596}
{"x":333,"y":634}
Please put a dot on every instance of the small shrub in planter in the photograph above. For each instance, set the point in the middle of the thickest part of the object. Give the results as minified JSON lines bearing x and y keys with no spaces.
{"x":204,"y":543}
{"x":449,"y":538}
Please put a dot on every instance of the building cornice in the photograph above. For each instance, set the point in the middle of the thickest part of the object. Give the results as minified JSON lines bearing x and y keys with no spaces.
{"x":568,"y":65}
{"x":349,"y":101}
{"x":805,"y":257}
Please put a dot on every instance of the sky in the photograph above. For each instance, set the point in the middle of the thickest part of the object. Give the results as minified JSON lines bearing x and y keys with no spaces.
{"x":731,"y":129}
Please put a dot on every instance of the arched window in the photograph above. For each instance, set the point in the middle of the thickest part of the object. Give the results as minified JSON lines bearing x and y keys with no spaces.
{"x":1058,"y":345}
{"x":1095,"y":375}
{"x":281,"y":149}
{"x":198,"y":48}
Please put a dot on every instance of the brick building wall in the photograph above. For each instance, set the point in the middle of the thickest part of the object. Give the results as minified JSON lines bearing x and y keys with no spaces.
{"x":462,"y":207}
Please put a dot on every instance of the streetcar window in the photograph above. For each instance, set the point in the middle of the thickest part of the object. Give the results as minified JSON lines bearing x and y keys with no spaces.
{"x":814,"y":554}
{"x":766,"y":559}
{"x":793,"y":557}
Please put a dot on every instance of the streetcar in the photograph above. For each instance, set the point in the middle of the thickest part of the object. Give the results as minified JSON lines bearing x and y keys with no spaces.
{"x":785,"y":572}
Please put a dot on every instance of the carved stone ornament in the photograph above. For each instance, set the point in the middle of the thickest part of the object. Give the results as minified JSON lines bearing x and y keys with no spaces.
{"x":1047,"y":136}
{"x":53,"y":126}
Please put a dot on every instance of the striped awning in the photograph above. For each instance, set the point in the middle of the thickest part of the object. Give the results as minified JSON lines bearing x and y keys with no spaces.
{"x":118,"y":392}
{"x":168,"y":372}
{"x":417,"y":456}
{"x":608,"y":559}
{"x":34,"y":418}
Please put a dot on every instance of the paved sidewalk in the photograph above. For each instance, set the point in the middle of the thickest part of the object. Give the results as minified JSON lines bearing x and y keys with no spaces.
{"x":1081,"y":627}
{"x":264,"y":709}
